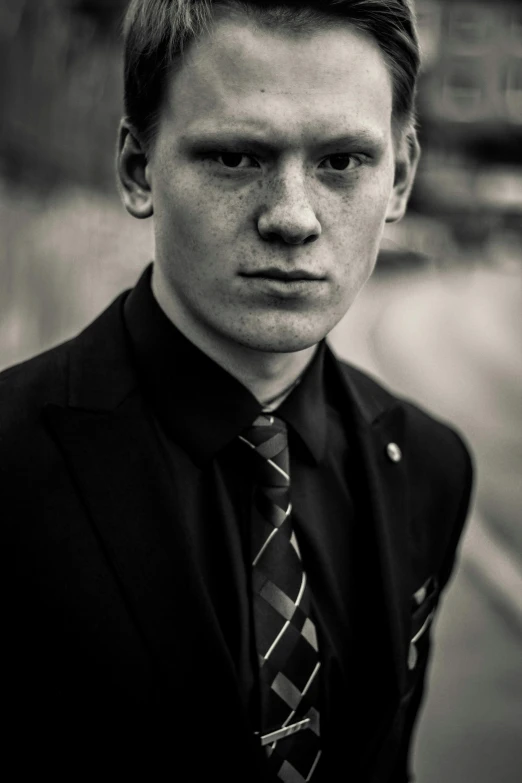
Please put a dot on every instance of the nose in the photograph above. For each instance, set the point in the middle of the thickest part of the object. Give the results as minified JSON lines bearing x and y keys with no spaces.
{"x":288,"y":214}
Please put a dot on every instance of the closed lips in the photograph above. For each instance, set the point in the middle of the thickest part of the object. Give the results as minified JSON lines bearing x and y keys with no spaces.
{"x":282,"y":274}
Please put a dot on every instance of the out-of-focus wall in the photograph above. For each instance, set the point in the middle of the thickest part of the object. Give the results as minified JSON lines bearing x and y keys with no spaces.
{"x":60,"y":91}
{"x":67,"y":244}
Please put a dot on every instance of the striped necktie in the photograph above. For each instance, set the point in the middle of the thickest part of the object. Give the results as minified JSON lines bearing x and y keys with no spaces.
{"x":285,"y":634}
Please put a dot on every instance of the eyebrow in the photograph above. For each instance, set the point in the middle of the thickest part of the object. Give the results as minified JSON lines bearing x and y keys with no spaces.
{"x":252,"y":140}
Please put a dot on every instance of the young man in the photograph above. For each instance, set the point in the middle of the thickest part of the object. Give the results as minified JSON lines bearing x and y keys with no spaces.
{"x":226,"y":547}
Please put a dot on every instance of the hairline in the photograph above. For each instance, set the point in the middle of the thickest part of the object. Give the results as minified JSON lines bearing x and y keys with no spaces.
{"x":402,"y":124}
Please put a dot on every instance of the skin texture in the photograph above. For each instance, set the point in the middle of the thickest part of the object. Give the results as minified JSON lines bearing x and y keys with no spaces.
{"x":275,"y":158}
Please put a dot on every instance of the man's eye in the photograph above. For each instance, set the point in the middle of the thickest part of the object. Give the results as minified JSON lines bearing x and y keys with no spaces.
{"x":236,"y":160}
{"x":341,"y":162}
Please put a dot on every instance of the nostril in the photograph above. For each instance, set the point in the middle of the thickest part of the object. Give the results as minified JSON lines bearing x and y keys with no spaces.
{"x":275,"y":237}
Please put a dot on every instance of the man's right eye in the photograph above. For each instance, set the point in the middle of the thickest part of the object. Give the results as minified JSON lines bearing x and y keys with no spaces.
{"x":236,"y":160}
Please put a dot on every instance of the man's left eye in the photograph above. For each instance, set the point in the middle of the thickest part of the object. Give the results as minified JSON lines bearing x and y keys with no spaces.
{"x":341,"y":162}
{"x":236,"y":160}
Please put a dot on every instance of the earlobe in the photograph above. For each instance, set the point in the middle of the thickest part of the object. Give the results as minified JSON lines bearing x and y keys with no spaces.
{"x":133,"y":173}
{"x":406,"y":161}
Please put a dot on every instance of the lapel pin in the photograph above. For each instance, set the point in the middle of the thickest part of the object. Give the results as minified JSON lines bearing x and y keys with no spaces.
{"x":394,"y":453}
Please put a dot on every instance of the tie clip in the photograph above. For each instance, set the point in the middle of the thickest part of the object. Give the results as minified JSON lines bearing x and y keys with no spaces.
{"x":286,"y":731}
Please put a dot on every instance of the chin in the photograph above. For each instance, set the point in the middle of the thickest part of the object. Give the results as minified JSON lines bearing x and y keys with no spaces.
{"x":281,"y":340}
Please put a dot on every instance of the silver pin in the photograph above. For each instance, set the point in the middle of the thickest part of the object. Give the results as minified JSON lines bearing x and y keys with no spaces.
{"x":394,"y":453}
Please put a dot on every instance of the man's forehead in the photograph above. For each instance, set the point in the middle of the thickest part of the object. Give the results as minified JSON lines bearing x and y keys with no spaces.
{"x":237,"y":40}
{"x":262,"y":78}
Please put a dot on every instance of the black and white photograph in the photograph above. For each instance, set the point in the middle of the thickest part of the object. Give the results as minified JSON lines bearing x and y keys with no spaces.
{"x":261,"y":390}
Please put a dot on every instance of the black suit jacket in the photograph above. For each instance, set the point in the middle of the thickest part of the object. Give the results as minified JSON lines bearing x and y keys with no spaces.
{"x":115,"y":660}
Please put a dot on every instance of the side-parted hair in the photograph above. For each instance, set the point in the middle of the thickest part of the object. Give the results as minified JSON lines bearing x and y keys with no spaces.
{"x":157,"y":31}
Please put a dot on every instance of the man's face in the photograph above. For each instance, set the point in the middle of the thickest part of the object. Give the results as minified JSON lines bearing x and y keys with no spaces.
{"x":271,"y":178}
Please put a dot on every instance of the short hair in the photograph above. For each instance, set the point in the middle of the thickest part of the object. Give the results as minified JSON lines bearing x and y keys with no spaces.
{"x":157,"y":31}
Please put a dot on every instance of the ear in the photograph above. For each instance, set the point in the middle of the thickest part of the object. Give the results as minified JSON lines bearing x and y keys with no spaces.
{"x":406,"y":160}
{"x":133,"y":174}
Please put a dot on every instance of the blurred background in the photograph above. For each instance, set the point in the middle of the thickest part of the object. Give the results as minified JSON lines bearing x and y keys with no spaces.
{"x":439,"y":322}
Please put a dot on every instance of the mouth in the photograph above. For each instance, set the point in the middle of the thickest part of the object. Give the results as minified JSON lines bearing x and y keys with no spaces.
{"x":284,"y":275}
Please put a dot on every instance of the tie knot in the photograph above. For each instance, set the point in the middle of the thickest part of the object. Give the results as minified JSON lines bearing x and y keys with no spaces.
{"x":267,"y":436}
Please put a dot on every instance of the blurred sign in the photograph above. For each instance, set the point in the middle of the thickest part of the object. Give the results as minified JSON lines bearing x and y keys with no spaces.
{"x":473,"y":60}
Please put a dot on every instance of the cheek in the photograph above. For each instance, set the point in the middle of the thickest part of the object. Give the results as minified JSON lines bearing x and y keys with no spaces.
{"x":194,"y":231}
{"x":358,"y":232}
{"x":197,"y":221}
{"x":357,"y":228}
{"x":363,"y":214}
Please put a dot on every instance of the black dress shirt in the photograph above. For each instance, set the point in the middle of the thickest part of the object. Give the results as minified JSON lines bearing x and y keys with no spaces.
{"x":200,"y":410}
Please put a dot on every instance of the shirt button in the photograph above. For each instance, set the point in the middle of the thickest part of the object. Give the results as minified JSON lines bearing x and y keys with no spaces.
{"x":394,"y":453}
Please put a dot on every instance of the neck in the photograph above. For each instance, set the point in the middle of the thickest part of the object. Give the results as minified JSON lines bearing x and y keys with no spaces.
{"x":266,"y":375}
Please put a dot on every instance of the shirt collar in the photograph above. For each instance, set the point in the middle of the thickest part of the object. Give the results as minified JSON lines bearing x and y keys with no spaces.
{"x":304,"y":410}
{"x":199,"y":403}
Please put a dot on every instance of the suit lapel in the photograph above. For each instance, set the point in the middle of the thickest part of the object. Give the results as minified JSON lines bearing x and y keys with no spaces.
{"x":379,"y":421}
{"x":113,"y":454}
